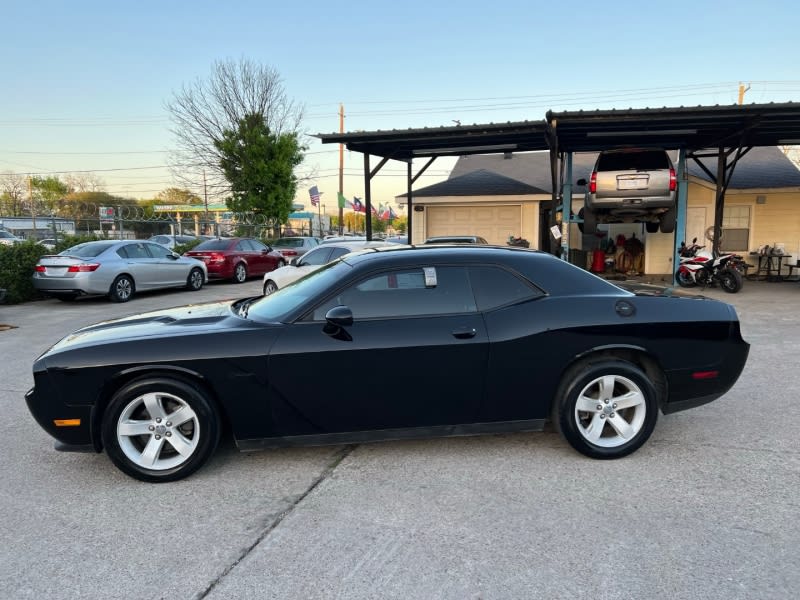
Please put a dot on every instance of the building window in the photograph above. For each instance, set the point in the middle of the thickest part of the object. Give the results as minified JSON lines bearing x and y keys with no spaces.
{"x":736,"y":228}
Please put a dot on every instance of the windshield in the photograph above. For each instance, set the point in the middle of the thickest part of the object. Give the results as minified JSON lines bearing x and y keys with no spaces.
{"x":278,"y":305}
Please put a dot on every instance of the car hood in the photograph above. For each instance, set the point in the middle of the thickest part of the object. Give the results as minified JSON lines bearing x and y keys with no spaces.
{"x":193,"y":318}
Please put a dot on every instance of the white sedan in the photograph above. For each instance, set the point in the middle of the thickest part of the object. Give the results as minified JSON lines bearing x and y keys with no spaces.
{"x":313,"y":260}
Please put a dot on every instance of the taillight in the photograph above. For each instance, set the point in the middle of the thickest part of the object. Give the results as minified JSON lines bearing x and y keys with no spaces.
{"x":39,"y":269}
{"x":673,"y":180}
{"x":83,"y":268}
{"x":217,"y":257}
{"x":289,"y":252}
{"x":593,"y":183}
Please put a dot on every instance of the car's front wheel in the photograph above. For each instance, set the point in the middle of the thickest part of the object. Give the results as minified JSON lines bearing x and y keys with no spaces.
{"x":606,"y":409}
{"x":160,"y":429}
{"x":270,"y":287}
{"x":122,"y":289}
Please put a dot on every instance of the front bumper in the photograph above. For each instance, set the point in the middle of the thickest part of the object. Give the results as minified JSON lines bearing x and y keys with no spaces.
{"x":71,"y":426}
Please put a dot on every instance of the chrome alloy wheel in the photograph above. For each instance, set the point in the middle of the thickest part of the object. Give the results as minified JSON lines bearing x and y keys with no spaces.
{"x":610,"y":411}
{"x":123,"y":288}
{"x":158,"y":431}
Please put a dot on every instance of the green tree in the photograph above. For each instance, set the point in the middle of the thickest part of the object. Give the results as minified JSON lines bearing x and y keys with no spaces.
{"x":259,"y":166}
{"x":47,"y":192}
{"x":178,"y":196}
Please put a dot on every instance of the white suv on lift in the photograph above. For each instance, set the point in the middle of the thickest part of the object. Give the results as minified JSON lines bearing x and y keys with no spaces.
{"x":631,"y":186}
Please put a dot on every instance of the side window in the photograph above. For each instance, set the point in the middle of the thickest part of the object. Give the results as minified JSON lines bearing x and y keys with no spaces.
{"x":338,"y":253}
{"x":406,"y":293}
{"x":242,"y":246}
{"x":122,"y":252}
{"x":136,"y":251}
{"x":157,"y":251}
{"x":257,"y":246}
{"x":316,"y":257}
{"x":494,"y":287}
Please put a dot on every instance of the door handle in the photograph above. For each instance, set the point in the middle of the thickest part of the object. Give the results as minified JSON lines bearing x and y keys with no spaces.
{"x":464,"y":333}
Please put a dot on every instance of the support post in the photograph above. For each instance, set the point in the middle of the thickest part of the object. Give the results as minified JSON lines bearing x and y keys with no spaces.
{"x":566,"y":207}
{"x":409,"y":205}
{"x":680,"y":215}
{"x":367,"y":198}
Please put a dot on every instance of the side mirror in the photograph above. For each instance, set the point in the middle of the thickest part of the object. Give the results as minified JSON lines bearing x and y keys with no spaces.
{"x":581,"y":181}
{"x":293,"y":262}
{"x":173,"y":255}
{"x":337,"y":319}
{"x":340,"y":316}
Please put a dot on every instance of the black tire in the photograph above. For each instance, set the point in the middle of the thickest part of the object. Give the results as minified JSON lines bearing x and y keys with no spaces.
{"x":270,"y":287}
{"x":585,"y":382}
{"x":684,"y":279}
{"x":651,"y":226}
{"x":195,"y":280}
{"x":122,"y":289}
{"x":281,"y":263}
{"x":668,"y":220}
{"x":730,"y":280}
{"x":239,"y":273}
{"x":198,"y":435}
{"x":589,"y":221}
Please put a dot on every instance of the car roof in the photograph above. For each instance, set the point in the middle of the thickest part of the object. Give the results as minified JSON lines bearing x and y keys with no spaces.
{"x":356,"y":244}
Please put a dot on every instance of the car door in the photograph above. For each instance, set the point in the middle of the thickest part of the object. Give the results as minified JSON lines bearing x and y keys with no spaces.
{"x":170,"y":272}
{"x":264,"y":261}
{"x":414,"y":357}
{"x":140,"y":265}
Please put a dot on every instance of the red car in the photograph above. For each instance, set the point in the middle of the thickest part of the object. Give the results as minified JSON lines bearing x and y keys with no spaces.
{"x":237,"y":258}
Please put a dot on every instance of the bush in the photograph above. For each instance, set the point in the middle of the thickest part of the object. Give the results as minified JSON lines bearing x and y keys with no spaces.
{"x":16,"y":270}
{"x":181,"y":248}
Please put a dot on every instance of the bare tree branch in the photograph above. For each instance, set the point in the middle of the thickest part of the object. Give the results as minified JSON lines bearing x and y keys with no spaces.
{"x":202,"y":110}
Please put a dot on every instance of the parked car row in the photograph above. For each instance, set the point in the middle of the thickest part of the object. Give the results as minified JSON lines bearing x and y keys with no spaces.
{"x":120,"y":268}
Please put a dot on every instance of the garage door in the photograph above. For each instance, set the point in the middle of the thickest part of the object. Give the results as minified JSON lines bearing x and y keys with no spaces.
{"x":495,"y":223}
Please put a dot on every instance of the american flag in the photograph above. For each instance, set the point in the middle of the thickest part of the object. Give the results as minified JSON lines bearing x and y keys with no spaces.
{"x":314,"y":193}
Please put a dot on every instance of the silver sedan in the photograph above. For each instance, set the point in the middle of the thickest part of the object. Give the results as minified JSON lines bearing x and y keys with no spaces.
{"x":116,"y":268}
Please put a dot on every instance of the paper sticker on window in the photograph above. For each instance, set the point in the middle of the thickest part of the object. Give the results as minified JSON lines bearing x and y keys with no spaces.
{"x":430,"y":276}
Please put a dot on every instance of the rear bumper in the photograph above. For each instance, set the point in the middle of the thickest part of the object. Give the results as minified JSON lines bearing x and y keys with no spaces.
{"x":71,"y":285}
{"x":686,"y":391}
{"x":632,"y":201}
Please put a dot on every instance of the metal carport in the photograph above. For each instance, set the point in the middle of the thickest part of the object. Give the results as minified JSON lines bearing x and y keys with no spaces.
{"x":725,"y":133}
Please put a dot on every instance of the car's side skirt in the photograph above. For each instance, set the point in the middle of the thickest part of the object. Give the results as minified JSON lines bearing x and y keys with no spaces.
{"x":383,"y":435}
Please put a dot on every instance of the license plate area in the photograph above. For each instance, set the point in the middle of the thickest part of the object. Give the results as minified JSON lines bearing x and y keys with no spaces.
{"x":633,"y":182}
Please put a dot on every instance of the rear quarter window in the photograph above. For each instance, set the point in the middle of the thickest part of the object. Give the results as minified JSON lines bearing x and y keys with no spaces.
{"x":649,"y":160}
{"x":495,"y":287}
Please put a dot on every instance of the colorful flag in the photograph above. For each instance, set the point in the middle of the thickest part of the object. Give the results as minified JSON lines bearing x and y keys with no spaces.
{"x":357,"y":206}
{"x":392,"y":214}
{"x":314,"y":193}
{"x":342,"y":200}
{"x":373,"y":209}
{"x":383,"y":213}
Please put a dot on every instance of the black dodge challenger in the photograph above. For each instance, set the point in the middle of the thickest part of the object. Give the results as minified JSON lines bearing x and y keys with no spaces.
{"x":484,"y":339}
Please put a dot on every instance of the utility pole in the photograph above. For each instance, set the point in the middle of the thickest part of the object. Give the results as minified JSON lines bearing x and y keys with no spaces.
{"x":341,"y":170}
{"x":742,"y":90}
{"x":205,"y":197}
{"x":33,"y":208}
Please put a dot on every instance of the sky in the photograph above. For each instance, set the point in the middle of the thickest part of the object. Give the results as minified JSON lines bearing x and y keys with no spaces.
{"x":85,"y":84}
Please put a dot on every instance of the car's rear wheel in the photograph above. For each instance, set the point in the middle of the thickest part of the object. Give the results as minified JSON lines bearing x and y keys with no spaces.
{"x":606,"y":409}
{"x":668,"y":220}
{"x":122,"y":289}
{"x":651,"y":226}
{"x":160,"y":429}
{"x":589,"y":221}
{"x":195,"y":280}
{"x":239,"y":273}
